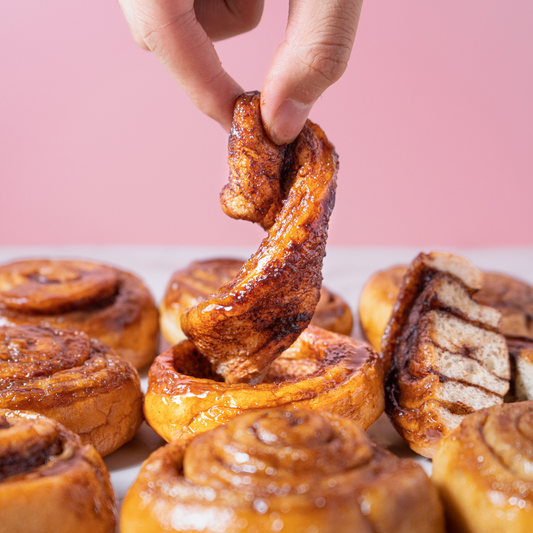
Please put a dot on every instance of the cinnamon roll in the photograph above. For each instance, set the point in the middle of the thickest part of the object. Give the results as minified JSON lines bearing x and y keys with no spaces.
{"x":108,"y":304}
{"x":512,"y":297}
{"x":49,"y":481}
{"x":484,"y":471}
{"x":443,"y":353}
{"x":297,"y":471}
{"x":321,"y":370}
{"x":79,"y":382}
{"x":261,"y":312}
{"x":521,"y":359}
{"x":194,"y":284}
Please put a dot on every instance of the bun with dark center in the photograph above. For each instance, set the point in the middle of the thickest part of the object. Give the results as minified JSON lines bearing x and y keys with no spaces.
{"x":261,"y":312}
{"x":484,"y":473}
{"x":106,"y":303}
{"x":70,"y":378}
{"x":521,"y":358}
{"x":196,"y":283}
{"x":49,"y":481}
{"x":321,"y":370}
{"x":298,"y":471}
{"x":443,"y":353}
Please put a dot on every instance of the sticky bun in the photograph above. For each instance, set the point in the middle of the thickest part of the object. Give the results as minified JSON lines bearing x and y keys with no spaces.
{"x":443,"y":353}
{"x":321,"y":370}
{"x":194,"y":284}
{"x":298,"y":471}
{"x":49,"y":481}
{"x":108,"y":304}
{"x":79,"y":382}
{"x":484,"y":472}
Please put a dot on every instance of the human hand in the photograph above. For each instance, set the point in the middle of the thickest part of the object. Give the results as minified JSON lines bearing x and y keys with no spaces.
{"x":314,"y":55}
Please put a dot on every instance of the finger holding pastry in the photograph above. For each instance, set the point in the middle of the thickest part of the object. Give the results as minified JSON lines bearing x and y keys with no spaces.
{"x":281,"y":470}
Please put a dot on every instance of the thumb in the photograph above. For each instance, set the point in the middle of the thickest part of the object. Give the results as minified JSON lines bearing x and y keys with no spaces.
{"x":314,"y":55}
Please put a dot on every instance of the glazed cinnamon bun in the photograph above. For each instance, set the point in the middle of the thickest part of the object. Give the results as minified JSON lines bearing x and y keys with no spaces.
{"x":484,"y":472}
{"x":108,"y":304}
{"x":79,"y":382}
{"x":49,"y":481}
{"x":261,"y":312}
{"x":194,"y":284}
{"x":443,"y":353}
{"x":321,"y":370}
{"x":298,"y":471}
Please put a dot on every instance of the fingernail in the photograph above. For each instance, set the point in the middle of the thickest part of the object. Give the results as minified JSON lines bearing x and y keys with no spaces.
{"x":289,"y":121}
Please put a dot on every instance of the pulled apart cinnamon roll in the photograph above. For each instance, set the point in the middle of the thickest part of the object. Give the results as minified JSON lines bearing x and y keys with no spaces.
{"x":106,"y":303}
{"x":321,"y":370}
{"x":444,"y":353}
{"x":297,"y":471}
{"x":77,"y":381}
{"x":484,"y":471}
{"x":49,"y":481}
{"x":260,"y":313}
{"x":196,"y":283}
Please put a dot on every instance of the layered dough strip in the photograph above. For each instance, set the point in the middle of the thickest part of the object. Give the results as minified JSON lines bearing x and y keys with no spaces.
{"x":200,"y":279}
{"x":321,"y":370}
{"x":298,"y":471}
{"x":109,"y":304}
{"x":443,"y":352}
{"x":484,"y":471}
{"x":511,"y":297}
{"x":49,"y":481}
{"x":259,"y":314}
{"x":77,"y":381}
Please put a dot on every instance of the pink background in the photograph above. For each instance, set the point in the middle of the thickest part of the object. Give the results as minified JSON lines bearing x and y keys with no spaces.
{"x":433,"y":123}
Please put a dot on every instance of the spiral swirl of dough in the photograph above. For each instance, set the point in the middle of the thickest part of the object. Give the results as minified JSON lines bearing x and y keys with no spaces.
{"x":49,"y":481}
{"x":484,"y":471}
{"x":321,"y":370}
{"x":284,"y":470}
{"x":68,"y":377}
{"x":106,"y":303}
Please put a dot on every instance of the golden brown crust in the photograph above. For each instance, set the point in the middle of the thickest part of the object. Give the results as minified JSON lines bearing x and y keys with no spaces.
{"x":442,"y":351}
{"x":49,"y":481}
{"x":200,"y":279}
{"x":255,"y":189}
{"x":254,"y":318}
{"x":281,"y":470}
{"x":109,"y":304}
{"x":483,"y":471}
{"x":321,"y":370}
{"x":68,"y":377}
{"x":512,"y":297}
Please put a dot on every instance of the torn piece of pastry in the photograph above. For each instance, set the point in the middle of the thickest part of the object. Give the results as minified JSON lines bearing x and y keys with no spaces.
{"x":196,"y":283}
{"x":512,"y":297}
{"x":108,"y":304}
{"x":49,"y":481}
{"x":79,"y":382}
{"x":321,"y":370}
{"x":484,"y":473}
{"x":443,"y":352}
{"x":298,"y":471}
{"x":261,"y":312}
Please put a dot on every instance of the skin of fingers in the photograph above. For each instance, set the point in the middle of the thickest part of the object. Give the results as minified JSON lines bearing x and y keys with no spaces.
{"x":180,"y":34}
{"x":314,"y":55}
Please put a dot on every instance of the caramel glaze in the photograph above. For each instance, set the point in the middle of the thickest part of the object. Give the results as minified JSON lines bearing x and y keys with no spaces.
{"x":259,"y":314}
{"x":293,"y":470}
{"x":49,"y":481}
{"x":483,"y":471}
{"x":200,"y":279}
{"x":106,"y":303}
{"x":321,"y":370}
{"x":72,"y":379}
